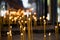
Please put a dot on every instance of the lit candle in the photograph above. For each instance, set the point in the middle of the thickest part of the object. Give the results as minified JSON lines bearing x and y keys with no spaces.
{"x":15,"y":18}
{"x":40,"y":21}
{"x":44,"y":27}
{"x":44,"y":37}
{"x":10,"y":32}
{"x":56,"y":32}
{"x":24,"y":33}
{"x":8,"y":36}
{"x":29,"y":29}
{"x":43,"y":17}
{"x":21,"y":30}
{"x":49,"y":36}
{"x":31,"y":25}
{"x":59,"y":25}
{"x":21,"y":36}
{"x":35,"y":22}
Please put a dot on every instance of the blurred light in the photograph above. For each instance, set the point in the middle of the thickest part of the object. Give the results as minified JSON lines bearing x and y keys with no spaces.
{"x":26,"y":4}
{"x":3,"y":13}
{"x":48,"y":16}
{"x":13,"y":12}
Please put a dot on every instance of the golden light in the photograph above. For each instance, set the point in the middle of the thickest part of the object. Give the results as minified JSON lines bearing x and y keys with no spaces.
{"x":44,"y":21}
{"x":49,"y":34}
{"x":13,"y":12}
{"x":22,"y":21}
{"x":22,"y":15}
{"x":25,"y":21}
{"x":7,"y":12}
{"x":20,"y":27}
{"x":22,"y":11}
{"x":24,"y":28}
{"x":10,"y":26}
{"x":33,"y":16}
{"x":8,"y":33}
{"x":4,"y":16}
{"x":59,"y":24}
{"x":30,"y":13}
{"x":10,"y":17}
{"x":15,"y":18}
{"x":21,"y":34}
{"x":29,"y":19}
{"x":12,"y":20}
{"x":40,"y":18}
{"x":44,"y":35}
{"x":55,"y":26}
{"x":34,"y":13}
{"x":43,"y":17}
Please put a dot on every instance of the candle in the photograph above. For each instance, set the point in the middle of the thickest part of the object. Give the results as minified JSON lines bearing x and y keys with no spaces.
{"x":31,"y":25}
{"x":10,"y":32}
{"x":30,"y":35}
{"x":21,"y":31}
{"x":59,"y":25}
{"x":35,"y":22}
{"x":8,"y":36}
{"x":56,"y":32}
{"x":43,"y":17}
{"x":40,"y":21}
{"x":21,"y":36}
{"x":49,"y":36}
{"x":29,"y":29}
{"x":44,"y":27}
{"x":44,"y":37}
{"x":24,"y":33}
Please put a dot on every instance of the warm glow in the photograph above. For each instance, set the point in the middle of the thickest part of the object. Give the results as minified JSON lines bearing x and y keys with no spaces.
{"x":55,"y":26}
{"x":21,"y":34}
{"x":15,"y":18}
{"x":8,"y":33}
{"x":44,"y":35}
{"x":49,"y":34}
{"x":10,"y":17}
{"x":13,"y":12}
{"x":43,"y":17}
{"x":24,"y":28}
{"x":29,"y":19}
{"x":34,"y":13}
{"x":25,"y":21}
{"x":40,"y":18}
{"x":59,"y":24}
{"x":22,"y":21}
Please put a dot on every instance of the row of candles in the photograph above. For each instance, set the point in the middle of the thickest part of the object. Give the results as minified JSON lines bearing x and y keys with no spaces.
{"x":24,"y":19}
